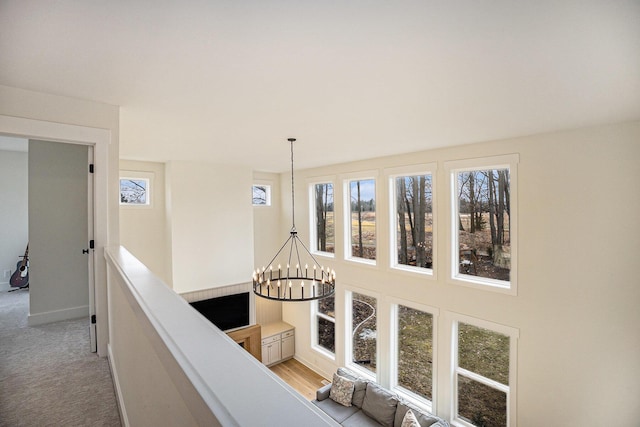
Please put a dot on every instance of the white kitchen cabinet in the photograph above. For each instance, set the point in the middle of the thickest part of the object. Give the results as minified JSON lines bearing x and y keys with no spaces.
{"x":278,"y":342}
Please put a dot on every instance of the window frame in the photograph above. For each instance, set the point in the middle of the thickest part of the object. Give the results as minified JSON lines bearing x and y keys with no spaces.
{"x":510,"y":390}
{"x":391,"y":175}
{"x":452,"y":168}
{"x":348,"y":333}
{"x":315,"y":314}
{"x":347,"y":179}
{"x":148,"y":177}
{"x":267,"y":194}
{"x":313,"y":235}
{"x":409,"y":395}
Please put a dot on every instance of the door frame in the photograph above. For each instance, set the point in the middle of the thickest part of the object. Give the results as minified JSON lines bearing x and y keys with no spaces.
{"x":99,"y":139}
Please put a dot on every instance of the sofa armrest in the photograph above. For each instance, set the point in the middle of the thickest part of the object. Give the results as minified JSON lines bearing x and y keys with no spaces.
{"x":323,"y":392}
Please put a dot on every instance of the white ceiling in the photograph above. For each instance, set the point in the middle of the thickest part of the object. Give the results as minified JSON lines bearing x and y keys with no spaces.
{"x":229,"y":81}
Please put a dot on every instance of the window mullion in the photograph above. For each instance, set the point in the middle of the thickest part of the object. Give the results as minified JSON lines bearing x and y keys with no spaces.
{"x":481,"y":379}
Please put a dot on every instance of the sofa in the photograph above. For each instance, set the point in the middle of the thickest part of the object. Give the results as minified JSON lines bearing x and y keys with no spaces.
{"x":358,"y":402}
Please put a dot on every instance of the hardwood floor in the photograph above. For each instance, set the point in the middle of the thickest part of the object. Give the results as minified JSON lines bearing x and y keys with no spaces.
{"x":301,"y":378}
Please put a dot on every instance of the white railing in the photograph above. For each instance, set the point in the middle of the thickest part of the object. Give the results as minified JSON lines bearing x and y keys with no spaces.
{"x":173,"y":367}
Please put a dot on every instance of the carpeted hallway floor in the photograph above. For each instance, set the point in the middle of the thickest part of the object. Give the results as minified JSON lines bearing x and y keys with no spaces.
{"x":48,"y":376}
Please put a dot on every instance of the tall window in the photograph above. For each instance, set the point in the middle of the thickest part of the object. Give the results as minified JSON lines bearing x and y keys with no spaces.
{"x":364,"y":331}
{"x":414,"y":352}
{"x":413,"y":222}
{"x":362,"y":219}
{"x":323,"y":233}
{"x":483,"y":223}
{"x":325,"y":324}
{"x":483,"y":375}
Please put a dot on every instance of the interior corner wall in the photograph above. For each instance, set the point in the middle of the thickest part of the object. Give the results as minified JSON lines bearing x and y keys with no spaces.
{"x":143,"y":228}
{"x":211,"y":220}
{"x":267,"y":238}
{"x":578,"y":289}
{"x":13,"y":211}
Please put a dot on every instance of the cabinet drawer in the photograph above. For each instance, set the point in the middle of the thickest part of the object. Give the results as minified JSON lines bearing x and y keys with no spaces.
{"x":287,"y":334}
{"x":269,"y":340}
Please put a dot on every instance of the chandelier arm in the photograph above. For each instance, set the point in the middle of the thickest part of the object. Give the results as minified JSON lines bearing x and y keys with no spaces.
{"x":290,"y":251}
{"x":281,"y":248}
{"x":295,"y":242}
{"x":309,"y":252}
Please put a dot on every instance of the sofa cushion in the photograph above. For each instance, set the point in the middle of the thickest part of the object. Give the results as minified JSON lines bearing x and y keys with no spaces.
{"x":335,"y":410}
{"x":360,"y":386}
{"x":341,"y":390}
{"x":424,"y":418}
{"x":380,"y":404}
{"x":360,"y":419}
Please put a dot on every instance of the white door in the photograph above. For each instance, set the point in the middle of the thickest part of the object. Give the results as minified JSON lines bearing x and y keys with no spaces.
{"x":60,"y":258}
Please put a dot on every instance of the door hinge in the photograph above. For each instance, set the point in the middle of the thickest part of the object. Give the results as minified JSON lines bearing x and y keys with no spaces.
{"x":92,"y":244}
{"x":91,"y":168}
{"x":93,"y":319}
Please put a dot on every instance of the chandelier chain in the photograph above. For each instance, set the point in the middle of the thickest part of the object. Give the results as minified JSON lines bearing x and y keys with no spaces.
{"x":293,"y":194}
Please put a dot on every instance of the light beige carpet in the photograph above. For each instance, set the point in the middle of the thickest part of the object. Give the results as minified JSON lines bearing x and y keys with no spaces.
{"x":48,"y":376}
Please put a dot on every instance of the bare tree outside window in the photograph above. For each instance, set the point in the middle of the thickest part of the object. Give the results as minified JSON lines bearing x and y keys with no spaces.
{"x":261,"y":195}
{"x":134,"y":191}
{"x":363,"y":218}
{"x":414,"y":221}
{"x":484,"y":223}
{"x":324,"y":218}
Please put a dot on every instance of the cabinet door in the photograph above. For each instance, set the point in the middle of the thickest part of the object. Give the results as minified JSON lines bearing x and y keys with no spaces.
{"x":276,"y":354}
{"x":288,"y":347}
{"x":271,"y":353}
{"x":266,"y":354}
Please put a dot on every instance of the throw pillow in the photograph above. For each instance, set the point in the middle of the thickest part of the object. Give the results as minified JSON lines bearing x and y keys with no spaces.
{"x":410,"y":420}
{"x":341,"y":390}
{"x":380,"y":404}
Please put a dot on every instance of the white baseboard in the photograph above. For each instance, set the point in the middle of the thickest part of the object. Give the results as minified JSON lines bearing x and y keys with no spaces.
{"x":58,"y":315}
{"x":116,"y":385}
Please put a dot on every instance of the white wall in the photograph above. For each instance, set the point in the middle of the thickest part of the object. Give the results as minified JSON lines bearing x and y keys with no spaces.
{"x":143,"y":228}
{"x":13,"y":210}
{"x":578,"y":289}
{"x":210,"y":215}
{"x":35,"y":114}
{"x":268,"y":236}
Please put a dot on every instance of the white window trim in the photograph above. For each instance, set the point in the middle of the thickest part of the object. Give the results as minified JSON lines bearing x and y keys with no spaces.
{"x":391,"y":175}
{"x":268,"y":186}
{"x":313,"y":237}
{"x":393,"y":356}
{"x":314,"y":331}
{"x":509,"y":161}
{"x":347,"y":179}
{"x":510,"y":390}
{"x":348,"y":333}
{"x":138,"y":175}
